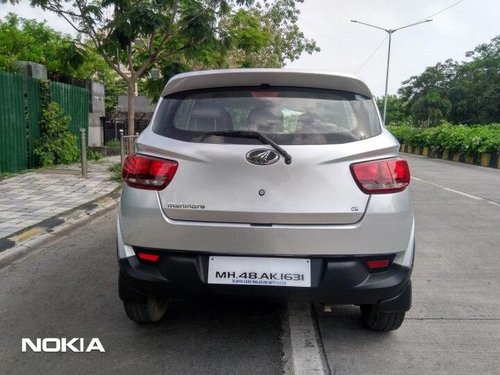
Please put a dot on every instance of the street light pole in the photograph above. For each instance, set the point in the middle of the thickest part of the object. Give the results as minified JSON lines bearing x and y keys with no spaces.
{"x":390,"y":32}
{"x":387,"y":75}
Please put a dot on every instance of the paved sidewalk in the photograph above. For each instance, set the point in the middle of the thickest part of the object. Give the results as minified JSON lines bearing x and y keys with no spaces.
{"x":30,"y":198}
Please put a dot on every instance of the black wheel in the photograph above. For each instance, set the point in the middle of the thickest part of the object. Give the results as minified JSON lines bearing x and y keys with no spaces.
{"x":150,"y":311}
{"x":381,"y":321}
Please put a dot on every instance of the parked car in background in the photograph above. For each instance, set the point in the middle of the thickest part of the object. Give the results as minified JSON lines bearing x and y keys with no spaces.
{"x":267,"y":182}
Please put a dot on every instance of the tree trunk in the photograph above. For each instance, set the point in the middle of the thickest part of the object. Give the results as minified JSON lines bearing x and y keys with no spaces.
{"x":131,"y":107}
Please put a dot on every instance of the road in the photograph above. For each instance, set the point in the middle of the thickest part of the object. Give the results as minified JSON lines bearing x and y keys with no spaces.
{"x":67,"y":288}
{"x":454,"y":324}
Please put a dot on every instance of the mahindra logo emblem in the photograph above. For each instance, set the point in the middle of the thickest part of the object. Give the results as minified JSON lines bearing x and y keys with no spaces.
{"x":262,"y":156}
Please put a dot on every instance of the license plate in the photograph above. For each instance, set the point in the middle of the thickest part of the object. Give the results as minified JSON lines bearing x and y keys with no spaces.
{"x":259,"y":271}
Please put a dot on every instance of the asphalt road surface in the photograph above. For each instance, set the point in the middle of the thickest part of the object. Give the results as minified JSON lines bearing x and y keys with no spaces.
{"x":67,"y":288}
{"x":454,"y":324}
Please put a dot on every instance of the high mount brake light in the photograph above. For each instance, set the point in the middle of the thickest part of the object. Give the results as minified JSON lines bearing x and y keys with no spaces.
{"x":265,"y":94}
{"x":382,"y":176}
{"x":143,"y":172}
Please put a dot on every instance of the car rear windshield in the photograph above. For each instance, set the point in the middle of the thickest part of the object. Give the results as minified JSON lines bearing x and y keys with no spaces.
{"x":287,"y":115}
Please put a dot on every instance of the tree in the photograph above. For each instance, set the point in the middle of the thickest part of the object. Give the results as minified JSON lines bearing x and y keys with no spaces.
{"x":153,"y":86}
{"x":67,"y":59}
{"x":476,"y":89}
{"x":465,"y":92}
{"x":264,"y":37}
{"x":29,"y":40}
{"x":431,"y":108}
{"x":258,"y":36}
{"x":396,"y":111}
{"x":437,"y":79}
{"x":133,"y":35}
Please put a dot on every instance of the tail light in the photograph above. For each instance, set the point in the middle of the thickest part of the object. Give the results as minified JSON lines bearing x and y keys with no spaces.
{"x":382,"y":176}
{"x":143,"y":172}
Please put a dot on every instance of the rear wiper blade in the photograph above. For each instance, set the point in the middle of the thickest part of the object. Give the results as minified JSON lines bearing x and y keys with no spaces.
{"x":252,"y":134}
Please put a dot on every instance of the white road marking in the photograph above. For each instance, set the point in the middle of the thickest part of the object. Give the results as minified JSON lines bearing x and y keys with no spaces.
{"x":467,"y":195}
{"x":463,"y":194}
{"x":303,"y":354}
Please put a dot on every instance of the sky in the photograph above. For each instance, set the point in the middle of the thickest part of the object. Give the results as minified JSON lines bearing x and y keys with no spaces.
{"x":346,"y":47}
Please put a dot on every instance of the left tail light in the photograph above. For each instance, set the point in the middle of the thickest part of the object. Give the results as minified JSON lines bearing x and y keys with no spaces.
{"x":143,"y":172}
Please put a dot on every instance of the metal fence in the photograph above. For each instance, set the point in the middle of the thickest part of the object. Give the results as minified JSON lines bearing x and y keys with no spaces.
{"x":75,"y":102}
{"x":127,"y":145}
{"x":34,"y":112}
{"x":20,"y":110}
{"x":12,"y":124}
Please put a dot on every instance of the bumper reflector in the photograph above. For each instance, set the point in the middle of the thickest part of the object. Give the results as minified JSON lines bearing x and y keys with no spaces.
{"x":376,"y":264}
{"x":147,"y":257}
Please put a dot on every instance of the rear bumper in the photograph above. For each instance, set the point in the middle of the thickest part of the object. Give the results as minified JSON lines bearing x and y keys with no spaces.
{"x":334,"y":280}
{"x":386,"y":227}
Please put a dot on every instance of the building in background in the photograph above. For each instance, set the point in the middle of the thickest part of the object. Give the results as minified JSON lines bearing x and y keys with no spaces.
{"x":97,"y":113}
{"x":144,"y":109}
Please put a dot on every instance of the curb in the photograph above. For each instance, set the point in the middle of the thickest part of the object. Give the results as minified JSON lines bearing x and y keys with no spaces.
{"x":56,"y":223}
{"x":486,"y":160}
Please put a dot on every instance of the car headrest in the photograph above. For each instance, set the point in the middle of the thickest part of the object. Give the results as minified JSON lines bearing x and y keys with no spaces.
{"x":209,"y":117}
{"x":265,"y":120}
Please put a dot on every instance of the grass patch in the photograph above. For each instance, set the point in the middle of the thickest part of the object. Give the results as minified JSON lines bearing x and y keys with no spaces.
{"x":94,"y":155}
{"x":113,"y":143}
{"x":116,"y":172}
{"x":5,"y":175}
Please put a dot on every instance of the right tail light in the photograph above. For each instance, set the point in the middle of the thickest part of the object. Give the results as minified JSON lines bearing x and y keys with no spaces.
{"x":382,"y":176}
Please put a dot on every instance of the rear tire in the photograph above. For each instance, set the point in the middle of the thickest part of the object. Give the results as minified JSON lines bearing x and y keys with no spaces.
{"x":381,"y":321}
{"x":150,"y":311}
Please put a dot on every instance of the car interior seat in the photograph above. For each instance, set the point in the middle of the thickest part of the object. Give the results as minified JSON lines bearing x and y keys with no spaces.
{"x":265,"y":120}
{"x":207,"y":117}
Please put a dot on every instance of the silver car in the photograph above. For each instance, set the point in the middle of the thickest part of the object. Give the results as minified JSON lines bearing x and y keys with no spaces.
{"x":267,"y":182}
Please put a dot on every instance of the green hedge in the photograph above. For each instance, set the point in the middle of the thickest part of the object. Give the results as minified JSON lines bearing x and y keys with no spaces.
{"x":470,"y":140}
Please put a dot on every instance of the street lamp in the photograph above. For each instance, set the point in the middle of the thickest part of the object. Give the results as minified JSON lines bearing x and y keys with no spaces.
{"x":390,"y":32}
